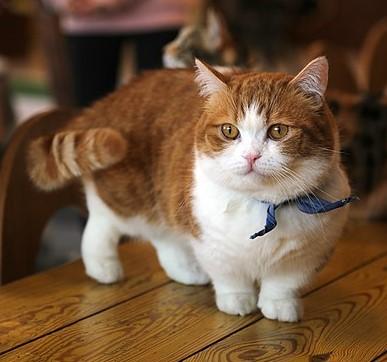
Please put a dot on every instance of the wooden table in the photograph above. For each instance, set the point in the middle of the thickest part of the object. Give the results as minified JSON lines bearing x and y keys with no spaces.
{"x":61,"y":315}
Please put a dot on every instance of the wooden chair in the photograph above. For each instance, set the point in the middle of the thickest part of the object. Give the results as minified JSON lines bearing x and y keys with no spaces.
{"x":24,"y":210}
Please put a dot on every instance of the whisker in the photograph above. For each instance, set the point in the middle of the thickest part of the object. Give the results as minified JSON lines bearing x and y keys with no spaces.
{"x":331,"y":150}
{"x":300,"y":179}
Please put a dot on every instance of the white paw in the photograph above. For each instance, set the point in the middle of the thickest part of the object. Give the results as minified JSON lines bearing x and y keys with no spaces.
{"x":189,"y":274}
{"x":104,"y":270}
{"x":237,"y":303}
{"x":284,"y":310}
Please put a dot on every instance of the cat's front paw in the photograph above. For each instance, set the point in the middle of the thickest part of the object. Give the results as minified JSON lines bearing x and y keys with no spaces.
{"x":237,"y":303}
{"x":104,"y":270}
{"x":284,"y":310}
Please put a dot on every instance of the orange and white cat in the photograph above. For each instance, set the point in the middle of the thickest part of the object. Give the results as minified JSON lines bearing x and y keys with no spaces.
{"x":189,"y":161}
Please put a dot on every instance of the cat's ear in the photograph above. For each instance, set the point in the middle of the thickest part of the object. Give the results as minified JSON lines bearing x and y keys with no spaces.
{"x":209,"y":80}
{"x":313,"y":79}
{"x":214,"y":30}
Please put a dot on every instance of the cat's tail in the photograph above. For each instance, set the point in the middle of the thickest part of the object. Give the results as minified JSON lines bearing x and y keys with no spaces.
{"x":54,"y":160}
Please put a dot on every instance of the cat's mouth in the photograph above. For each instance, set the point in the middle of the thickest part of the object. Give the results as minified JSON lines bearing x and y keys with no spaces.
{"x":255,"y":172}
{"x":259,"y":173}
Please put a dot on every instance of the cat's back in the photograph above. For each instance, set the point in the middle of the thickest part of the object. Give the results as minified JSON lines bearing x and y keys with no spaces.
{"x":164,"y":99}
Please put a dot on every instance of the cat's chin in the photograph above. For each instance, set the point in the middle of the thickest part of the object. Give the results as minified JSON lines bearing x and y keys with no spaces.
{"x":253,"y":183}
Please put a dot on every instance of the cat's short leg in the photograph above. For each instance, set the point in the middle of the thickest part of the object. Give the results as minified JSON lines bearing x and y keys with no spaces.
{"x":177,"y":258}
{"x":99,"y":250}
{"x":278,"y":297}
{"x":235,"y":295}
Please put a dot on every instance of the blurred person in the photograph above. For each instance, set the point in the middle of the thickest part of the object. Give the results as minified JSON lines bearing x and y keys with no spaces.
{"x":95,"y":31}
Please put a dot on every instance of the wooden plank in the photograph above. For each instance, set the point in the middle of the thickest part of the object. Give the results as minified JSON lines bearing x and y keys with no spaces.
{"x":156,"y":326}
{"x":346,"y":321}
{"x":47,"y":301}
{"x":175,"y":321}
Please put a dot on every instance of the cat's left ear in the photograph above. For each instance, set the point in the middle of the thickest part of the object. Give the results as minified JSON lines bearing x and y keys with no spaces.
{"x":313,"y":79}
{"x":210,"y":81}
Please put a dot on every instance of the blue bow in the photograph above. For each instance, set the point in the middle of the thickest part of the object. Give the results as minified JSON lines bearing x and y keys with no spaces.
{"x":308,"y":204}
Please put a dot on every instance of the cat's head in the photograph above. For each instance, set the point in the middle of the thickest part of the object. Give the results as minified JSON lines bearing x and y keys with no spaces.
{"x":208,"y":38}
{"x":270,"y":135}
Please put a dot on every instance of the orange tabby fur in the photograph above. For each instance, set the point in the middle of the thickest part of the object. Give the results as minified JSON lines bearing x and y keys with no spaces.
{"x":156,"y":115}
{"x":68,"y":154}
{"x":142,"y":139}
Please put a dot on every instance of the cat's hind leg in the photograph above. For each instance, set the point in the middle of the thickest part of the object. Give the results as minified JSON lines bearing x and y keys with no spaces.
{"x":177,"y":258}
{"x":99,"y":250}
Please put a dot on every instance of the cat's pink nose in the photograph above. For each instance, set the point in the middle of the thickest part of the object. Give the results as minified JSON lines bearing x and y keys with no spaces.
{"x":251,"y":158}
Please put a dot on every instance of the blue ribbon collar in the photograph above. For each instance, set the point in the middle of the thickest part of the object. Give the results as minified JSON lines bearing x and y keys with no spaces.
{"x":308,"y":204}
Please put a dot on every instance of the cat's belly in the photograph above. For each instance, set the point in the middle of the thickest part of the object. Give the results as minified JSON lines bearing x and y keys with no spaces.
{"x":136,"y":226}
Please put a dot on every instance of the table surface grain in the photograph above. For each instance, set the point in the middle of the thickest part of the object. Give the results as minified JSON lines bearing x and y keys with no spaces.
{"x":61,"y":315}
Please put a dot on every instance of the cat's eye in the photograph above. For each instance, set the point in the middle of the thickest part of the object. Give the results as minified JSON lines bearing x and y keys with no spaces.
{"x":230,"y":131}
{"x":277,"y":131}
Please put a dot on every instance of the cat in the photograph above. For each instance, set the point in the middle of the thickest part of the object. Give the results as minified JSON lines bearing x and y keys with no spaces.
{"x":254,"y":35}
{"x":191,"y":160}
{"x":208,"y":38}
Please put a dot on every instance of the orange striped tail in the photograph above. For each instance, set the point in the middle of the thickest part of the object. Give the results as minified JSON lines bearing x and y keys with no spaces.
{"x":57,"y":159}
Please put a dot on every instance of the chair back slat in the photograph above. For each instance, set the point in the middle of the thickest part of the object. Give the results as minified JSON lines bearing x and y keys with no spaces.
{"x":25,"y":210}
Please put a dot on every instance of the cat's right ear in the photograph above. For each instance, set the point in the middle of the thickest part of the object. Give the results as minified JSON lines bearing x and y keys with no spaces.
{"x":210,"y":81}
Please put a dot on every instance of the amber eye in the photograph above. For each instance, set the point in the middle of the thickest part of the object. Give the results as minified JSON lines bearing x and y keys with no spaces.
{"x":278,"y":131}
{"x":230,"y":131}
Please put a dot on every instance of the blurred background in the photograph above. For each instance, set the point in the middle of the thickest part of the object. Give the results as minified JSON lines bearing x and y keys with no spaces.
{"x":69,"y":53}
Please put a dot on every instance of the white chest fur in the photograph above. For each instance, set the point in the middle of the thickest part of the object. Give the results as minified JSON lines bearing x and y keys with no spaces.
{"x":227,"y":219}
